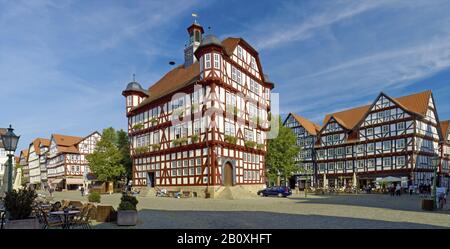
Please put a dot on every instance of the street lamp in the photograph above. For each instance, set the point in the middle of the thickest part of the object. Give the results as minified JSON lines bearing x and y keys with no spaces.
{"x":10,"y":141}
{"x":435,"y":161}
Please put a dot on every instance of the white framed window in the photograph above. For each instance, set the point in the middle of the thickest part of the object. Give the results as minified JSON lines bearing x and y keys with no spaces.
{"x":216,"y":61}
{"x":239,"y":52}
{"x":401,"y":143}
{"x":230,"y":99}
{"x":197,"y":126}
{"x":386,"y":145}
{"x":207,"y":60}
{"x":387,"y":161}
{"x":401,"y":161}
{"x":400,"y":126}
{"x":129,"y":100}
{"x":253,"y":63}
{"x":249,"y":135}
{"x":229,"y":128}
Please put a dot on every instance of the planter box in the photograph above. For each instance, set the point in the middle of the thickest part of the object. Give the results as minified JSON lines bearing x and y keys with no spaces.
{"x":31,"y":223}
{"x":127,"y":217}
{"x":105,"y":213}
{"x":428,"y":204}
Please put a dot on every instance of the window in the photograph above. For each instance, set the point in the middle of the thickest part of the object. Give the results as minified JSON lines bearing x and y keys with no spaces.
{"x":360,"y":148}
{"x":248,"y":135}
{"x":400,"y":126}
{"x":252,"y":110}
{"x":331,"y":152}
{"x":370,"y":147}
{"x":253,"y":63}
{"x":321,"y":166}
{"x":369,"y":131}
{"x":371,"y":163}
{"x":156,"y":137}
{"x":336,"y":137}
{"x":387,"y":161}
{"x":349,"y":164}
{"x":129,"y":100}
{"x":349,"y":150}
{"x":400,"y":143}
{"x":239,"y":52}
{"x":230,"y":99}
{"x":331,"y":166}
{"x":339,"y":151}
{"x":197,"y":36}
{"x":234,"y":73}
{"x":207,"y":61}
{"x":197,"y":126}
{"x":216,"y":61}
{"x":360,"y":164}
{"x":386,"y":145}
{"x":385,"y":129}
{"x":229,"y":128}
{"x":340,"y":165}
{"x":401,"y":161}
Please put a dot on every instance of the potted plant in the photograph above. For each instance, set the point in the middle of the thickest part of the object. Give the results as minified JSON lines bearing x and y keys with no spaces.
{"x":195,"y":138}
{"x":250,"y":144}
{"x":154,"y":121}
{"x":138,"y":126}
{"x":127,"y":214}
{"x":18,"y":204}
{"x":156,"y":147}
{"x":230,"y":139}
{"x":260,"y":146}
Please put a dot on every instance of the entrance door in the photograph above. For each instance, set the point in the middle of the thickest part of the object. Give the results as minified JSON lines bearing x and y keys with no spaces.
{"x":151,"y":179}
{"x":228,"y":175}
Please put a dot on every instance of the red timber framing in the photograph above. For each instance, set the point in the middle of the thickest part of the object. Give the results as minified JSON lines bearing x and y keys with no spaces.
{"x":193,"y":144}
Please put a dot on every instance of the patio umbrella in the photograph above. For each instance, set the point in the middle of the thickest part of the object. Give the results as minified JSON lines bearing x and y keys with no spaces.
{"x":354,"y":180}
{"x":18,"y":179}
{"x":390,"y":179}
{"x":325,"y":183}
{"x":4,"y":183}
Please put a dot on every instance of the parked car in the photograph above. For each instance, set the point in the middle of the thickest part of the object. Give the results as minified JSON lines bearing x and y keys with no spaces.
{"x":280,"y":191}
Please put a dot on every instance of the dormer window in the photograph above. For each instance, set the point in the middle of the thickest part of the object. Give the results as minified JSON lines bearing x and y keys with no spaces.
{"x":197,"y":36}
{"x":207,"y":61}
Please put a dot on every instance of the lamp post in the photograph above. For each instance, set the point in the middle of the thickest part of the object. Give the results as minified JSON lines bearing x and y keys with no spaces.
{"x":435,"y":162}
{"x":10,"y":141}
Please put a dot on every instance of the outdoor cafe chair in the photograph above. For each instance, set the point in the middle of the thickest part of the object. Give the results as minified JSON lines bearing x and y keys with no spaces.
{"x":49,"y":222}
{"x":84,"y":220}
{"x":2,"y":219}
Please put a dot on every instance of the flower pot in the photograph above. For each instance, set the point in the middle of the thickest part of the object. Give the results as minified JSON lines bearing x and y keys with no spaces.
{"x":30,"y":223}
{"x":127,"y":217}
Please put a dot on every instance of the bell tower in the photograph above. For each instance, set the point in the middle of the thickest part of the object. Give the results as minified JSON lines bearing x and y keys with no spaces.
{"x":195,"y":32}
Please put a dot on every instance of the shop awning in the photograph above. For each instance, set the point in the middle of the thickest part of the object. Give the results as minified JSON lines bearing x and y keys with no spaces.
{"x":74,"y":181}
{"x":55,"y":181}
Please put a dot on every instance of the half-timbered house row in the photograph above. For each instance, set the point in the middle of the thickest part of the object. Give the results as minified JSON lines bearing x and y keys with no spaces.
{"x":66,"y":161}
{"x":34,"y":162}
{"x":44,"y":147}
{"x":445,"y":154}
{"x":390,"y":137}
{"x":306,"y":133}
{"x":204,"y":123}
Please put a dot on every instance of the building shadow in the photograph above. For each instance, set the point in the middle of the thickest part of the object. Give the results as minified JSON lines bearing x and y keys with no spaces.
{"x":159,"y":219}
{"x":401,"y":203}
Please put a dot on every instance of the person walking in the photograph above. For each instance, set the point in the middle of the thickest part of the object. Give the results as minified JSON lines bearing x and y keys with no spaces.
{"x":82,"y":191}
{"x":398,"y":190}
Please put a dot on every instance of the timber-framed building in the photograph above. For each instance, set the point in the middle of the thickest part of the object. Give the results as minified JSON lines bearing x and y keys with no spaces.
{"x":203,"y":125}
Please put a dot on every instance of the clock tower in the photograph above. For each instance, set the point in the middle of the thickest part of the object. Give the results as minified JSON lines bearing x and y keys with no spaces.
{"x":195,"y":37}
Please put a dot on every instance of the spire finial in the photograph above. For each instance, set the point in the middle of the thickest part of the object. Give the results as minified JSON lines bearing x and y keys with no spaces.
{"x":195,"y":17}
{"x":134,"y":77}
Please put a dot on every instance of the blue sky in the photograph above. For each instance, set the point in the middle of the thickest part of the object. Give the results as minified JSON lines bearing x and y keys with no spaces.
{"x":63,"y":63}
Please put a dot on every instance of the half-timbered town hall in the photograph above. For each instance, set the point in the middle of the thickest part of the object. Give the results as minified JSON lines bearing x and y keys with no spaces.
{"x":390,"y":137}
{"x":203,"y":125}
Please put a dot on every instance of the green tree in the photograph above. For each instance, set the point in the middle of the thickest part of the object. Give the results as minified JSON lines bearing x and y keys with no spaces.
{"x":106,"y":161}
{"x":281,"y":154}
{"x":123,"y":143}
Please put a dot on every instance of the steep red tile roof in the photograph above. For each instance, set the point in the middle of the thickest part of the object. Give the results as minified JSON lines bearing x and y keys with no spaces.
{"x":309,"y":126}
{"x":444,"y":128}
{"x":348,"y":118}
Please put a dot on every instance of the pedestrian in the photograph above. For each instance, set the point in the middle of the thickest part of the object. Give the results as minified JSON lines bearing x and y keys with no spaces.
{"x":410,"y":188}
{"x":50,"y":191}
{"x":391,"y":189}
{"x":82,"y":191}
{"x":398,"y":190}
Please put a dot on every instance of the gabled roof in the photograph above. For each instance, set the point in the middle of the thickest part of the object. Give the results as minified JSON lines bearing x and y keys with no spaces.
{"x":24,"y":153}
{"x":347,"y":118}
{"x":416,"y":103}
{"x":309,"y":126}
{"x":180,"y":76}
{"x":37,"y":143}
{"x":66,"y":144}
{"x":444,"y":128}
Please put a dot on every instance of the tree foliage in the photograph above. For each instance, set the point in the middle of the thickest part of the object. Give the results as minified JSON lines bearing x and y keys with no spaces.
{"x":107,"y":160}
{"x":123,"y":143}
{"x":281,"y":154}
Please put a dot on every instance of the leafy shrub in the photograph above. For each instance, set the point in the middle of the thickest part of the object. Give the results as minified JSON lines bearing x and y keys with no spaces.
{"x":94,"y":197}
{"x":128,"y":202}
{"x":19,"y":203}
{"x":156,"y":146}
{"x":153,"y":121}
{"x":260,"y":146}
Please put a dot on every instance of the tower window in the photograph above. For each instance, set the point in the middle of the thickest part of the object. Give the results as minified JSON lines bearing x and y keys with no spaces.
{"x":129,"y":100}
{"x":207,"y":60}
{"x":197,"y":36}
{"x":216,"y":61}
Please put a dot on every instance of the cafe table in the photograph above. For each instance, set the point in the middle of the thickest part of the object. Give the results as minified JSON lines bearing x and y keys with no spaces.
{"x":65,"y":215}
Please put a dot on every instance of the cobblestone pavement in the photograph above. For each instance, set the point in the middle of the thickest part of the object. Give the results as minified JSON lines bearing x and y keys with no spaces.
{"x":342,"y":211}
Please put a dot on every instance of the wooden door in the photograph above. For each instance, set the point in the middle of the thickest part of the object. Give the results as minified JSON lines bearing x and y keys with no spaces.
{"x":228,"y":175}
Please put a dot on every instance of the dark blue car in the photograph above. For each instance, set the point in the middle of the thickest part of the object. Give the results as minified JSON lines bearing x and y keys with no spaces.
{"x":279,"y":191}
